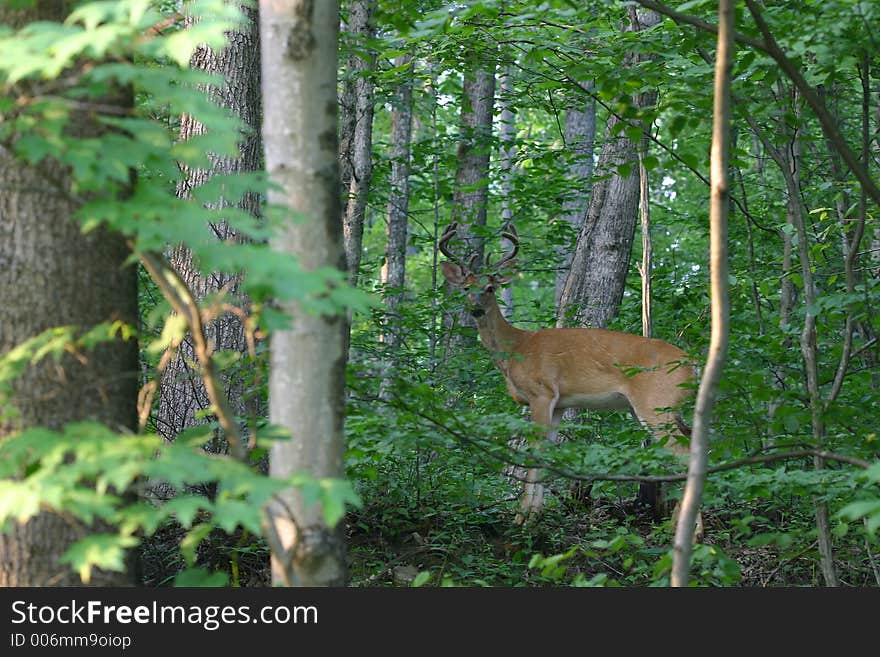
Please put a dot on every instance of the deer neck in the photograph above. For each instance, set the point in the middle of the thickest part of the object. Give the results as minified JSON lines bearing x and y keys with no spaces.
{"x":496,"y":333}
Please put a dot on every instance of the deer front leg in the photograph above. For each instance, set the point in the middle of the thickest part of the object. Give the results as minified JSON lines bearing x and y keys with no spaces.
{"x":544,"y":414}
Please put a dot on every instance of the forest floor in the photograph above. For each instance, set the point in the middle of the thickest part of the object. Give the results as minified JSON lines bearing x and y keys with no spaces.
{"x":613,"y":543}
{"x":608,"y":542}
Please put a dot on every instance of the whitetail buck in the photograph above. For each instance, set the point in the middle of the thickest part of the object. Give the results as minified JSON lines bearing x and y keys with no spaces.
{"x":557,"y":368}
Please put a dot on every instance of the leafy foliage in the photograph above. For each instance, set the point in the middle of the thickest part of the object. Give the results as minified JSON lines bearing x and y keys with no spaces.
{"x":123,"y":176}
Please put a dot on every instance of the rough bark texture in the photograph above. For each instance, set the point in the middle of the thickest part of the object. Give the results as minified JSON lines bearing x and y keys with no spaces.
{"x":299,"y":40}
{"x":472,"y":174}
{"x":594,"y":288}
{"x":53,"y":275}
{"x":182,"y":394}
{"x":580,"y":135}
{"x":394,"y":270}
{"x":357,"y":133}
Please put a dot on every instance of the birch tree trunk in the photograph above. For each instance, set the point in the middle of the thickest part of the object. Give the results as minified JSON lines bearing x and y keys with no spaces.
{"x":357,"y":133}
{"x":299,"y":41}
{"x":720,"y":302}
{"x":182,"y":394}
{"x":393,"y":273}
{"x":51,"y":274}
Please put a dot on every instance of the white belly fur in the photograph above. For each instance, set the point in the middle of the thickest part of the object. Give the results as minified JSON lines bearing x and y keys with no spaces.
{"x":600,"y":401}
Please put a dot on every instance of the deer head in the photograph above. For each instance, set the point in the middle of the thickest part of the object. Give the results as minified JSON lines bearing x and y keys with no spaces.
{"x":480,"y":286}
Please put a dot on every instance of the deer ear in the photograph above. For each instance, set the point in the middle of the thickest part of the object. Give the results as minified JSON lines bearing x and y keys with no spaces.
{"x":453,"y":272}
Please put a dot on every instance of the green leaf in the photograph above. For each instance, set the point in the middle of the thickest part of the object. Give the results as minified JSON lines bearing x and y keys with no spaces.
{"x":190,"y":543}
{"x":187,"y":507}
{"x":421,"y":579}
{"x":18,"y":501}
{"x":105,"y":551}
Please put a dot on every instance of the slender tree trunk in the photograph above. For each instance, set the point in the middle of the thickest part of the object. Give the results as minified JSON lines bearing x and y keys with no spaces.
{"x":508,"y":167}
{"x":51,"y":274}
{"x":299,"y":41}
{"x":718,"y":211}
{"x":435,"y":334}
{"x":788,"y":161}
{"x":594,"y":287}
{"x":182,"y":395}
{"x":580,"y":137}
{"x":394,"y":270}
{"x":738,"y":180}
{"x":809,"y":352}
{"x":471,"y":177}
{"x":357,"y":136}
{"x":472,"y":173}
{"x":647,"y":247}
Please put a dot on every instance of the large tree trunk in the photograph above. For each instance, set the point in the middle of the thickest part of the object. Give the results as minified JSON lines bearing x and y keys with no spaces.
{"x":357,"y":133}
{"x":594,"y":288}
{"x":299,"y":40}
{"x":394,"y":270}
{"x":182,"y":394}
{"x":53,"y":275}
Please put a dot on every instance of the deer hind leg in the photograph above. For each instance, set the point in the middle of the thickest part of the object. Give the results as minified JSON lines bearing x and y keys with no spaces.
{"x":669,"y":427}
{"x":543,"y":413}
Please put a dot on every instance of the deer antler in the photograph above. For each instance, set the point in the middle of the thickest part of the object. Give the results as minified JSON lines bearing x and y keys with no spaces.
{"x":508,"y":232}
{"x":443,"y":243}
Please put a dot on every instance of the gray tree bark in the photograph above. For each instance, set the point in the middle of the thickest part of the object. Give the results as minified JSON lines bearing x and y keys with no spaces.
{"x":594,"y":287}
{"x":393,"y":273}
{"x":472,"y":172}
{"x":580,"y":136}
{"x":299,"y":46}
{"x":182,"y":394}
{"x":471,"y":194}
{"x":53,"y":275}
{"x":356,"y":139}
{"x":508,"y":170}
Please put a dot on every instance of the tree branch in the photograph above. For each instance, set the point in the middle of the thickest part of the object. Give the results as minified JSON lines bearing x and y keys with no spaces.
{"x":771,"y":47}
{"x":184,"y":303}
{"x":686,"y":19}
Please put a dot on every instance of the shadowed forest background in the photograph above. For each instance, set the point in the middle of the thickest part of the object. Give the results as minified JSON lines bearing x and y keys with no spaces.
{"x":225,"y":334}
